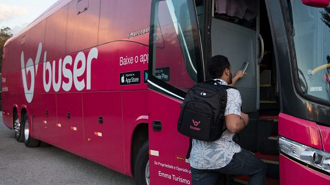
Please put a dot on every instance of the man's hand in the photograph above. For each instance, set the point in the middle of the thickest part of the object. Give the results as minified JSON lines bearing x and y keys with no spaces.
{"x":245,"y":118}
{"x":239,"y":74}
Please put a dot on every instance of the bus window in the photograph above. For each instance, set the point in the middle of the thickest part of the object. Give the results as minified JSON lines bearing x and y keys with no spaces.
{"x":312,"y":42}
{"x":175,"y":62}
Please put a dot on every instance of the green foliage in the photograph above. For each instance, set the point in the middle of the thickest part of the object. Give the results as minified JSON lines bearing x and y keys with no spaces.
{"x":5,"y":34}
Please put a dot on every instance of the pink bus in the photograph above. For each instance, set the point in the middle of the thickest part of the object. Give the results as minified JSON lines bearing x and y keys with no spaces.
{"x":105,"y":79}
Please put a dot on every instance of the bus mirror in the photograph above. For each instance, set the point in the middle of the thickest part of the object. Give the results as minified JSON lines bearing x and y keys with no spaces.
{"x":316,"y":3}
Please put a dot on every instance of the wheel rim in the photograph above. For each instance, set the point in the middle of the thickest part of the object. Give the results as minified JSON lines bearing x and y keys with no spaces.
{"x":147,"y":173}
{"x":26,"y":130}
{"x":17,"y":127}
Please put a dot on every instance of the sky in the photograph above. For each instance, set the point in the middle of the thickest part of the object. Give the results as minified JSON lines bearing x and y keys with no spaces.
{"x":17,"y":14}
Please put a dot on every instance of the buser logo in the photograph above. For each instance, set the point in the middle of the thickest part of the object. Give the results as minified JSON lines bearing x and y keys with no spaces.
{"x":31,"y":68}
{"x":195,"y":123}
{"x":69,"y":68}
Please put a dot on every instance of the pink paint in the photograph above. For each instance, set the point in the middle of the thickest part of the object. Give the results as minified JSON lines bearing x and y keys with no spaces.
{"x":299,"y":130}
{"x":307,"y":133}
{"x":171,"y":145}
{"x":66,"y":71}
{"x":292,"y":173}
{"x":316,"y":3}
{"x":325,"y":133}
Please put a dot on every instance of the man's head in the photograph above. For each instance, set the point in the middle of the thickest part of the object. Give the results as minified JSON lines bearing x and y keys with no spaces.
{"x":219,"y":67}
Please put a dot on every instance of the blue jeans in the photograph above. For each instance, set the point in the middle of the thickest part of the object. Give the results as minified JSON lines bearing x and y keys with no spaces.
{"x":243,"y":163}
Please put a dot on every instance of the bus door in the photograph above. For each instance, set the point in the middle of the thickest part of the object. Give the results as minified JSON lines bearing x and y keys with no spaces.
{"x":234,"y":34}
{"x":175,"y":60}
{"x":240,"y":31}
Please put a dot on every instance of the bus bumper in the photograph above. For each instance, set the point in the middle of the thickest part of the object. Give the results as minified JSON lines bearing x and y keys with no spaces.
{"x":294,"y":173}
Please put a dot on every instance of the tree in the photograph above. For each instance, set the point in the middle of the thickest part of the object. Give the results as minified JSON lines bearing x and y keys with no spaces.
{"x":4,"y":36}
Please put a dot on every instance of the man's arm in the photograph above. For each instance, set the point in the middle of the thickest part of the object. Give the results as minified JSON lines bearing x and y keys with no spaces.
{"x":236,"y":123}
{"x":237,"y":76}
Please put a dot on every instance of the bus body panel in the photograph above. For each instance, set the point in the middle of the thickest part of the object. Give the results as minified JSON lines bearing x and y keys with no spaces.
{"x":70,"y":122}
{"x":78,"y":13}
{"x":168,"y":148}
{"x":50,"y":110}
{"x":45,"y":118}
{"x":8,"y":105}
{"x":294,"y":173}
{"x":325,"y":133}
{"x":299,"y":130}
{"x":133,"y":115}
{"x":104,"y":129}
{"x":55,"y":37}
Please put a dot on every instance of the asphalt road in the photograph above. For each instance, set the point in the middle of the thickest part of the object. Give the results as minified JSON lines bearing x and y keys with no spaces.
{"x":20,"y":165}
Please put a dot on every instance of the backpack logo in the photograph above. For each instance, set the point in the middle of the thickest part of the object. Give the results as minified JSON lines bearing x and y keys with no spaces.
{"x":196,"y":123}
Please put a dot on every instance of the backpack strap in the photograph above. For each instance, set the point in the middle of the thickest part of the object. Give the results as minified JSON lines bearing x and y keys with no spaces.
{"x":189,"y":149}
{"x":228,"y":87}
{"x":216,"y":81}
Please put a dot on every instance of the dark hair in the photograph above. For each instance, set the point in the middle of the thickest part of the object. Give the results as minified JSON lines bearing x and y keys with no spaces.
{"x":217,"y":65}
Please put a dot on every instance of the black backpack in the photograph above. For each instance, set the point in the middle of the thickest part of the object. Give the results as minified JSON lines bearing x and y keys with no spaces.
{"x":202,"y":114}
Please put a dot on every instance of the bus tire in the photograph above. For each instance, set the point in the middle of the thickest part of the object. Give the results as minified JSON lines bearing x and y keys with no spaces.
{"x":141,"y":167}
{"x":28,"y":140}
{"x":18,"y":129}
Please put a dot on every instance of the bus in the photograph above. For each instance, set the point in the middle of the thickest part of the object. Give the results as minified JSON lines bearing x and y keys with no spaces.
{"x":105,"y":80}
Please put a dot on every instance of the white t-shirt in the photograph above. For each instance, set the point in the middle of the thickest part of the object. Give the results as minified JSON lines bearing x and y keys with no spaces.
{"x":217,"y":154}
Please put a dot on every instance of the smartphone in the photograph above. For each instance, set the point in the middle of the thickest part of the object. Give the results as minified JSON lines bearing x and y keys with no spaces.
{"x":245,"y":66}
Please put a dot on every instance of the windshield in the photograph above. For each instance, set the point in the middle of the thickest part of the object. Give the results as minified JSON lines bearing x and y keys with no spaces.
{"x":311,"y":33}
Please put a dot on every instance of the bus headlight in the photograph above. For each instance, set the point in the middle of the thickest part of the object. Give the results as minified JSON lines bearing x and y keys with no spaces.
{"x":305,"y":154}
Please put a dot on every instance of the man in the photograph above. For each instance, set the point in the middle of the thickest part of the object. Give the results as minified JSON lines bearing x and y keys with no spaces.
{"x":224,"y":156}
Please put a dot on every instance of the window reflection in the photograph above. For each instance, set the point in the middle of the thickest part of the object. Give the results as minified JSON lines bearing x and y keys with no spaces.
{"x":312,"y":43}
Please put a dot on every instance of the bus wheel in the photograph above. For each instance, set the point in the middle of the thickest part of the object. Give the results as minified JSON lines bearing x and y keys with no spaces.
{"x":18,"y":129}
{"x":28,"y":140}
{"x":141,"y":170}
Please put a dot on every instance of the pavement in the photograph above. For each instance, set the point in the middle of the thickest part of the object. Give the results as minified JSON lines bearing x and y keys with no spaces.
{"x":49,"y":165}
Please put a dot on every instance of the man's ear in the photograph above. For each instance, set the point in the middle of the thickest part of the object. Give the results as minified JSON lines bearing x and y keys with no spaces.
{"x":227,"y":72}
